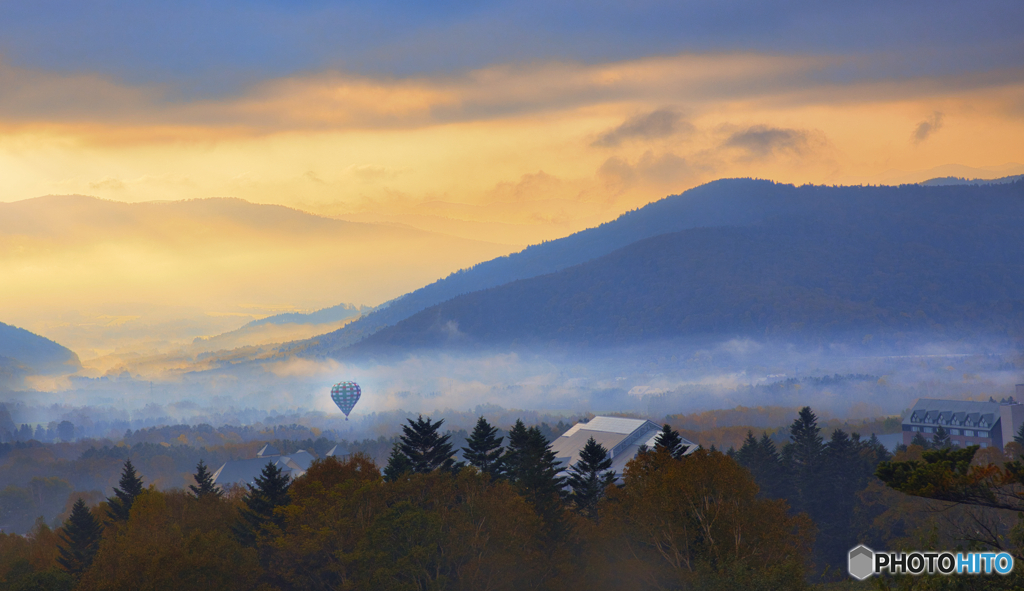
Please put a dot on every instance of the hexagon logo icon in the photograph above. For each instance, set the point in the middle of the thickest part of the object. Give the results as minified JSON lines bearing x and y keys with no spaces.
{"x":861,"y":562}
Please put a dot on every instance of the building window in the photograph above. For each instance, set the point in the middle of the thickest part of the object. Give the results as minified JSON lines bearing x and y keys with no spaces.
{"x":954,"y":431}
{"x":968,"y":433}
{"x":982,"y":444}
{"x":929,"y":430}
{"x":915,"y":428}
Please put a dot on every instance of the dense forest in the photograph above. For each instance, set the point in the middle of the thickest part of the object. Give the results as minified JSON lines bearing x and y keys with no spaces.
{"x":505,"y":517}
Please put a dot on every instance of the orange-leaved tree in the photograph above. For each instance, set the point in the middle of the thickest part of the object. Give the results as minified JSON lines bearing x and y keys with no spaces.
{"x":697,"y":519}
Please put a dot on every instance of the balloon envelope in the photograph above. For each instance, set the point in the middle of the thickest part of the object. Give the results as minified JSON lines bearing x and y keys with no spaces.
{"x":346,"y":395}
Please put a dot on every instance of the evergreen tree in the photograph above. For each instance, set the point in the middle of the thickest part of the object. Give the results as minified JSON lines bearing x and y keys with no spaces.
{"x":669,"y":440}
{"x":270,"y":492}
{"x":803,"y":458}
{"x":533,"y":468}
{"x":426,"y":450}
{"x":205,"y":481}
{"x":398,"y":464}
{"x":484,"y":449}
{"x":589,"y":476}
{"x":1019,"y":437}
{"x":876,"y":451}
{"x":120,"y":505}
{"x":80,"y":538}
{"x":762,"y":459}
{"x":920,"y":440}
{"x":844,"y":474}
{"x":518,"y":441}
{"x":941,"y":439}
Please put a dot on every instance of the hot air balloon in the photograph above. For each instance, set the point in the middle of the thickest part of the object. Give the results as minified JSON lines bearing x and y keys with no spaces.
{"x":346,"y":395}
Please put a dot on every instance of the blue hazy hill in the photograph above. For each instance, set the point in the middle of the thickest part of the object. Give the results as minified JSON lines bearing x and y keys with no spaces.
{"x":22,"y":351}
{"x":727,"y":202}
{"x":818,"y":262}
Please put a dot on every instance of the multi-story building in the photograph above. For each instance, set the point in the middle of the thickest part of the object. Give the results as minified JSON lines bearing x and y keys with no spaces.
{"x":987,"y":424}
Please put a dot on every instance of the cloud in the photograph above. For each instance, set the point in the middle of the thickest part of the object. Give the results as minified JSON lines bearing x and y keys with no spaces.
{"x":927,"y":127}
{"x":109,"y":183}
{"x":656,"y":124}
{"x":648,"y":168}
{"x":762,"y":141}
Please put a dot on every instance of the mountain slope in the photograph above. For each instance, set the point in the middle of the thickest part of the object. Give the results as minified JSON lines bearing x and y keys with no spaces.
{"x":835,"y":262}
{"x":727,"y":202}
{"x":33,"y":353}
{"x":226,"y":258}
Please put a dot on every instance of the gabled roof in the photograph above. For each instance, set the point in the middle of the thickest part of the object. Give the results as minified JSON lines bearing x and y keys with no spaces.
{"x":958,"y":412}
{"x":267,"y":450}
{"x":622,"y":438}
{"x":242,"y":472}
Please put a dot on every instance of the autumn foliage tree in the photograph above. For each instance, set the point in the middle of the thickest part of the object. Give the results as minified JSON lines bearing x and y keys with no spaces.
{"x":696,"y":523}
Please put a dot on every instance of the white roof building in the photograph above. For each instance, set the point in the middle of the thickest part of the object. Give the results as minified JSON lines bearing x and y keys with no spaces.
{"x":622,"y":438}
{"x":242,"y":472}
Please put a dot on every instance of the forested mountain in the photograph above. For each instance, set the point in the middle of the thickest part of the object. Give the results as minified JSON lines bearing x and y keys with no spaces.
{"x":727,"y":202}
{"x":23,"y":351}
{"x":817,"y":262}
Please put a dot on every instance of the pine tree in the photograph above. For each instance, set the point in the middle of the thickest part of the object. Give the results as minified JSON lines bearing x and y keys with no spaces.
{"x":80,"y":538}
{"x":425,"y":449}
{"x":1019,"y":437}
{"x":941,"y":439}
{"x":802,"y":458}
{"x":484,"y":449}
{"x":762,"y":459}
{"x":120,"y":505}
{"x":270,"y":492}
{"x":920,"y":440}
{"x":518,"y":440}
{"x":398,"y":464}
{"x":533,"y":468}
{"x":590,"y":476}
{"x":205,"y":481}
{"x":669,"y":439}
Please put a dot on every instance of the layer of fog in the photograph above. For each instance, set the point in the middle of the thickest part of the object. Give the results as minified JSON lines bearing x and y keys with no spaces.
{"x":652,"y":381}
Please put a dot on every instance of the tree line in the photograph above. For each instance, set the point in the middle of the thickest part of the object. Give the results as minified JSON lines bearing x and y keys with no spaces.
{"x":508,"y":517}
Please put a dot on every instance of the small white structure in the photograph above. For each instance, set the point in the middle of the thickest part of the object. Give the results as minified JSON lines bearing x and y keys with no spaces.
{"x":622,"y":438}
{"x":243,"y":472}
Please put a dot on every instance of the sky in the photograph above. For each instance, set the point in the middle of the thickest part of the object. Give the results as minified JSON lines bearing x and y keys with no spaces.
{"x":504,"y":122}
{"x":567,"y":110}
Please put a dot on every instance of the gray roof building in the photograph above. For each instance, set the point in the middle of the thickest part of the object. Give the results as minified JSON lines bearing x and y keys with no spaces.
{"x":967,"y":422}
{"x":622,"y":438}
{"x":243,"y":472}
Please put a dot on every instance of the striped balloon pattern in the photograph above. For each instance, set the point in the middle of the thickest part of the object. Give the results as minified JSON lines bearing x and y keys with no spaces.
{"x":346,"y":395}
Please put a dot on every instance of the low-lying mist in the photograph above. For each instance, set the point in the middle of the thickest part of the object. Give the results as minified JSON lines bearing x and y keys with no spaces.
{"x":653,"y":380}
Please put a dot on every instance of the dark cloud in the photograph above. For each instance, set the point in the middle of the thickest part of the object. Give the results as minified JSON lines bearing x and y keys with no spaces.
{"x":761,"y":141}
{"x":226,"y":45}
{"x":657,"y":124}
{"x":927,"y":127}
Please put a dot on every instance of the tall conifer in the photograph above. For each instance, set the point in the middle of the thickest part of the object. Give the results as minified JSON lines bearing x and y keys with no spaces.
{"x":80,"y":538}
{"x":425,"y":448}
{"x":589,"y":476}
{"x":204,"y":479}
{"x":484,"y":449}
{"x":129,"y":487}
{"x":669,"y":439}
{"x":269,"y":493}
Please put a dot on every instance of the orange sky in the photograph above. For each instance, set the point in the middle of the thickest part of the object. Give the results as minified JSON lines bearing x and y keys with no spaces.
{"x":561,"y":145}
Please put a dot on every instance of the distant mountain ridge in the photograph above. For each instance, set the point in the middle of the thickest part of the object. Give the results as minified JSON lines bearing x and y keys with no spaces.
{"x":810,"y":260}
{"x":954,"y":180}
{"x":323,"y":316}
{"x":726,"y":202}
{"x":32,"y":353}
